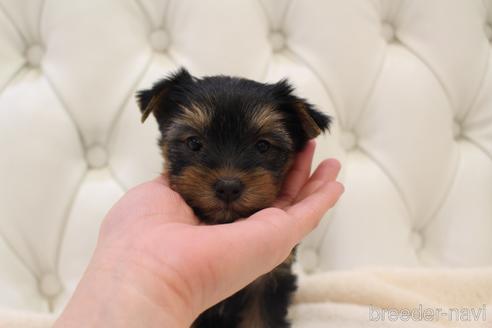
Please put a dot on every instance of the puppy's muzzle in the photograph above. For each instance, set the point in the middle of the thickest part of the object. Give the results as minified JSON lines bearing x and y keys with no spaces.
{"x":228,"y":189}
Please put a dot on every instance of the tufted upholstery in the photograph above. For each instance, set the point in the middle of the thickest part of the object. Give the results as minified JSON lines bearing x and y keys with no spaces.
{"x":408,"y":82}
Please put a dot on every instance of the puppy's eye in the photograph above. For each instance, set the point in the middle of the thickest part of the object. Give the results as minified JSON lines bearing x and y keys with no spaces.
{"x":193,"y":143}
{"x":262,"y":146}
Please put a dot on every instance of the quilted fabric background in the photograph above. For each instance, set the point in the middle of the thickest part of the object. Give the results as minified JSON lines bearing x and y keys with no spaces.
{"x":408,"y":82}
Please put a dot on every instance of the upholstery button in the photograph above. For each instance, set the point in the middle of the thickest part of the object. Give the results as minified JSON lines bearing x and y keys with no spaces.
{"x":34,"y":54}
{"x":456,"y":129}
{"x":50,"y":285}
{"x":488,"y":31}
{"x":159,"y":40}
{"x":416,"y":240}
{"x":388,"y":32}
{"x":309,"y":259}
{"x":349,"y":140}
{"x":97,"y":156}
{"x":277,"y":40}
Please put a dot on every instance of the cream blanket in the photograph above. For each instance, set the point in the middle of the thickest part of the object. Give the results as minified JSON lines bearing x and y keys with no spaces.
{"x":426,"y":298}
{"x":395,"y":298}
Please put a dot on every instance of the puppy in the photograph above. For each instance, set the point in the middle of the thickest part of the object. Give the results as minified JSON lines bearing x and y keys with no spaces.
{"x":227,"y":145}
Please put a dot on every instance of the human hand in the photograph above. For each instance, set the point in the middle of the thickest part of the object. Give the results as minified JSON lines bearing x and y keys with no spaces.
{"x":156,"y":265}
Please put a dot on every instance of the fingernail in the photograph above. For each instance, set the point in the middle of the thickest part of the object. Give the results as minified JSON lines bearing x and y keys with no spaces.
{"x":342,"y":186}
{"x":333,"y":162}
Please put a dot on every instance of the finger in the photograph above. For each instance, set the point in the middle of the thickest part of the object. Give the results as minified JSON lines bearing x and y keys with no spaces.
{"x":308,"y":212}
{"x":297,"y":175}
{"x":326,"y":171}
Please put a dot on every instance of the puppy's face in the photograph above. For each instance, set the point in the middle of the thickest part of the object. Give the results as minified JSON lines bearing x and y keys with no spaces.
{"x":228,"y":142}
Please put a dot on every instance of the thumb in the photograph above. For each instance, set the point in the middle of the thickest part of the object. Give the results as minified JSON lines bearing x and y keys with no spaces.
{"x":240,"y":252}
{"x":255,"y":246}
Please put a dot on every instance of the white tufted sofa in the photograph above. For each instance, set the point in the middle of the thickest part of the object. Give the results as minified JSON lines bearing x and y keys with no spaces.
{"x":408,"y":82}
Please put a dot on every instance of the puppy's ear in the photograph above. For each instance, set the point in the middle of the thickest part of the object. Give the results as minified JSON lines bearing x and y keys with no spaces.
{"x":151,"y":100}
{"x":312,"y":121}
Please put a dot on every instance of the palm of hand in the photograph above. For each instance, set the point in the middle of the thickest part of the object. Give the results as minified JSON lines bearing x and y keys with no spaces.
{"x":165,"y":250}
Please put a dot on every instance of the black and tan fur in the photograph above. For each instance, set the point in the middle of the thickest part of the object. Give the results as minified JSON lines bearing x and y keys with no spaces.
{"x":227,"y":144}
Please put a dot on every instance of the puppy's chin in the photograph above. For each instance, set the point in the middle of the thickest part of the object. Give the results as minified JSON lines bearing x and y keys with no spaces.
{"x":222,"y":215}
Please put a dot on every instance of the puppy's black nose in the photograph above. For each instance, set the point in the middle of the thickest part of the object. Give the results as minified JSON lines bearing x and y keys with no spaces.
{"x":228,"y":190}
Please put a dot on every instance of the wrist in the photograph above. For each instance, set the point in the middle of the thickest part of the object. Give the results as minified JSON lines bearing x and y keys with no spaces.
{"x":109,"y":296}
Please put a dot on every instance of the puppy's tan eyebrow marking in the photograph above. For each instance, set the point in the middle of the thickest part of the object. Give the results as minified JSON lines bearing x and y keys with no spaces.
{"x":194,"y":116}
{"x":266,"y":117}
{"x":268,"y":120}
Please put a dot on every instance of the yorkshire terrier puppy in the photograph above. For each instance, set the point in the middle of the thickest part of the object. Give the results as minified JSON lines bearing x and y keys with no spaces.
{"x":227,"y":145}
